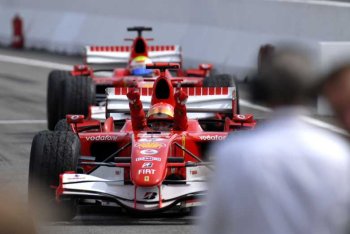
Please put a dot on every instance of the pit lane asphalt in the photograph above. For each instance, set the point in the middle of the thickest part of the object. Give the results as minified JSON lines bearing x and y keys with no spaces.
{"x":22,"y":97}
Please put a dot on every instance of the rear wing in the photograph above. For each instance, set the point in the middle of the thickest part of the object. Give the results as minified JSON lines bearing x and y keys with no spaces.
{"x":121,"y":54}
{"x":200,"y":99}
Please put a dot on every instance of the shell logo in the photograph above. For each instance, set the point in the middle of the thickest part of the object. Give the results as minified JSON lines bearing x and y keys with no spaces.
{"x":150,"y":145}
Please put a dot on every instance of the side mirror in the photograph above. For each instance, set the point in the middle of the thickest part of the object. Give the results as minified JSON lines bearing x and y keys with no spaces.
{"x":207,"y":67}
{"x":75,"y":118}
{"x":81,"y":70}
{"x":239,"y":122}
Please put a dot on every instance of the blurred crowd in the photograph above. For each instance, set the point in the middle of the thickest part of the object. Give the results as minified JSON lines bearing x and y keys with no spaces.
{"x":285,"y":176}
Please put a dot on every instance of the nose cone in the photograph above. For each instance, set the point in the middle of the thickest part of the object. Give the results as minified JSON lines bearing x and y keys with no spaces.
{"x":148,"y":165}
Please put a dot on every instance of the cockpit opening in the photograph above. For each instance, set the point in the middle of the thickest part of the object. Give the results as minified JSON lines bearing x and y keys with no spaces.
{"x":140,"y":46}
{"x":162,"y":89}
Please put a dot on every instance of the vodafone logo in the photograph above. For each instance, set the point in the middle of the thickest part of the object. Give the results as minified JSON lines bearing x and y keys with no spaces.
{"x":102,"y":138}
{"x":212,"y":138}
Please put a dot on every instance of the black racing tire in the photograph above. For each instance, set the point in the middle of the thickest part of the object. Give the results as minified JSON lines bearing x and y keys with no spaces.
{"x":77,"y":96}
{"x":62,"y":125}
{"x":54,"y":93}
{"x":52,"y":153}
{"x":237,"y":97}
{"x":219,"y":80}
{"x":223,"y":80}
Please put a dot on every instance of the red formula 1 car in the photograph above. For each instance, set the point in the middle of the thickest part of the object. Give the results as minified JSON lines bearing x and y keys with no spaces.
{"x":152,"y":162}
{"x":73,"y":92}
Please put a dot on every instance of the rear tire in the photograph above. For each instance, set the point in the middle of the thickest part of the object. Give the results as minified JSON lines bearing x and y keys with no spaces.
{"x":219,"y":80}
{"x":54,"y":93}
{"x":67,"y":94}
{"x":77,"y":96}
{"x":52,"y":153}
{"x":62,"y":125}
{"x":222,"y":80}
{"x":237,"y":97}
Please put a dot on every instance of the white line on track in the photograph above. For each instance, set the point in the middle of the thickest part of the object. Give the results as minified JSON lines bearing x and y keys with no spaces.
{"x":53,"y":65}
{"x":325,"y":125}
{"x":24,"y":121}
{"x":34,"y":62}
{"x":248,"y":104}
{"x":317,"y":2}
{"x":313,"y":121}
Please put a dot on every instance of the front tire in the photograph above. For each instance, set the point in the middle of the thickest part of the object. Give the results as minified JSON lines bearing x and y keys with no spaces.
{"x":54,"y":93}
{"x":52,"y":153}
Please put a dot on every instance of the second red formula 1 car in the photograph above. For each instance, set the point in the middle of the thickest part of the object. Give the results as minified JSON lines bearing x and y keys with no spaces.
{"x":153,"y":161}
{"x":75,"y":91}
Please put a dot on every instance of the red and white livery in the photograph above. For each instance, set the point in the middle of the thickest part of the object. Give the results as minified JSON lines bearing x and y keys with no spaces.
{"x":147,"y":163}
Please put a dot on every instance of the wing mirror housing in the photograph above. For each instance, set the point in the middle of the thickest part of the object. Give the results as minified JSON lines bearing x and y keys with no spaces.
{"x":240,"y":122}
{"x":206,"y":67}
{"x":75,"y":118}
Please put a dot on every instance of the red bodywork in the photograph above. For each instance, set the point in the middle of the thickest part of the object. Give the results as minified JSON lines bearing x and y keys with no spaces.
{"x":122,"y":77}
{"x":149,"y":158}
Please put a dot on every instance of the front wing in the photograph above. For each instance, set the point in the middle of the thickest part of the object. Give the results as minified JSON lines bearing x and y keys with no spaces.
{"x":130,"y":196}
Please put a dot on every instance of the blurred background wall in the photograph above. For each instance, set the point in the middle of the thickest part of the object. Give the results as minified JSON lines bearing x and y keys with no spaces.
{"x":227,"y":33}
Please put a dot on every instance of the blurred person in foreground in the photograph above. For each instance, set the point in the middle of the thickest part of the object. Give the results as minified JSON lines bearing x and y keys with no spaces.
{"x":286,"y":176}
{"x":15,"y":217}
{"x":336,"y":88}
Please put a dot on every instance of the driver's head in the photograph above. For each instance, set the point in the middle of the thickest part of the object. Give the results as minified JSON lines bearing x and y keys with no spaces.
{"x":160,"y":117}
{"x":138,"y":66}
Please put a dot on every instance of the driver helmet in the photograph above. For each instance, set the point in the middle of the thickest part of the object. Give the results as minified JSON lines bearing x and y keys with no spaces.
{"x":160,"y":117}
{"x":138,"y":66}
